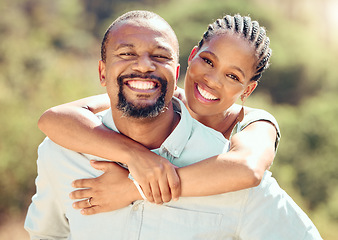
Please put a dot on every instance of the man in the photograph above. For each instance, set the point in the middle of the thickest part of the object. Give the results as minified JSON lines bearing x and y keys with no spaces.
{"x":139,"y":68}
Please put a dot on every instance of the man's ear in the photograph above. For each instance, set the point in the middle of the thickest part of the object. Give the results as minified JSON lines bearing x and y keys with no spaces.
{"x":177,"y":71}
{"x":192,"y":54}
{"x":102,"y":73}
{"x":177,"y":74}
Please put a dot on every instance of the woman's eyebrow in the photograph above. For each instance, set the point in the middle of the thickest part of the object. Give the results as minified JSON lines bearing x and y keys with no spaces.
{"x":212,"y":54}
{"x":238,"y":69}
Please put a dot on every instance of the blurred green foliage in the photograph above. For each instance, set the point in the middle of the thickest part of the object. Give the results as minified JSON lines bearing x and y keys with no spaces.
{"x":49,"y":52}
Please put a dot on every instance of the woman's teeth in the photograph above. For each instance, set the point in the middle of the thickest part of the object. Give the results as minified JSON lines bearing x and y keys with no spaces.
{"x":206,"y":94}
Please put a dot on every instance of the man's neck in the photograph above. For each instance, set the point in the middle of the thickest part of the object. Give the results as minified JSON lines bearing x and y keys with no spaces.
{"x":150,"y":132}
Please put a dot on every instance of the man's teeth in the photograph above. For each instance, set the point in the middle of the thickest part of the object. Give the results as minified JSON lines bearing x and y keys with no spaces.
{"x":206,"y":94}
{"x":142,"y":85}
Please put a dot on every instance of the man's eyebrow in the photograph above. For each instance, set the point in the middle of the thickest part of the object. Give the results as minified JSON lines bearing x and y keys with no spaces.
{"x":164,"y":48}
{"x":124,"y":45}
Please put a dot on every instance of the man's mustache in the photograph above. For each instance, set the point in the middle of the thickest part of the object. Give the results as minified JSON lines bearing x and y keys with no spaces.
{"x":141,"y":76}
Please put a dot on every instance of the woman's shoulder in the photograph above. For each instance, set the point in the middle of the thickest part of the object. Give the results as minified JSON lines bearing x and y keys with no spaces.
{"x":252,"y":115}
{"x":255,"y":114}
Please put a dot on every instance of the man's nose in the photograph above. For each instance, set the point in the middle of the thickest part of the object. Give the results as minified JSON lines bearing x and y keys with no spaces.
{"x":144,"y":64}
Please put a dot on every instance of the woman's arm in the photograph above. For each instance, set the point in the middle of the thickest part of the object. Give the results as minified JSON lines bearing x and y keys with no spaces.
{"x":251,"y":153}
{"x":74,"y":126}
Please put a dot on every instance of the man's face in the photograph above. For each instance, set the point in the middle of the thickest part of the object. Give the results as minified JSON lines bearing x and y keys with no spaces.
{"x":140,"y":71}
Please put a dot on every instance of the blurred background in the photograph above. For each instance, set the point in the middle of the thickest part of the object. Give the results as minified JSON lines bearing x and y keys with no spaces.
{"x":49,"y":52}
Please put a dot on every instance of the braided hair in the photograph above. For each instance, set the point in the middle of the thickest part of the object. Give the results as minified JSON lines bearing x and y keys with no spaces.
{"x":246,"y":29}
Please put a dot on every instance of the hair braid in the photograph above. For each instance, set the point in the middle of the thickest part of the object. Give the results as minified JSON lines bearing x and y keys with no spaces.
{"x":238,"y":20}
{"x":228,"y":21}
{"x":246,"y":29}
{"x":246,"y":26}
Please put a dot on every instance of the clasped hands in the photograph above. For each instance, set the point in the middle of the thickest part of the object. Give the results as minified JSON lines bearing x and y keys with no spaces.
{"x":114,"y":190}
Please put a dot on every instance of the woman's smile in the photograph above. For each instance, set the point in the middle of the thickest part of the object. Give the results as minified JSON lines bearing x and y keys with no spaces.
{"x":202,"y":94}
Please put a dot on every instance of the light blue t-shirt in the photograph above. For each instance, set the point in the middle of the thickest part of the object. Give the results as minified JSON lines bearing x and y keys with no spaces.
{"x":263,"y":212}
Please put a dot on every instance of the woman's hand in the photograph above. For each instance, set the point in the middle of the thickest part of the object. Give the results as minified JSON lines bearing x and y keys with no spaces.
{"x":110,"y":191}
{"x":157,"y":177}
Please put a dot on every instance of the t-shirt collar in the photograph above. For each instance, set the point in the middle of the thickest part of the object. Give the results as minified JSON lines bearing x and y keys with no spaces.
{"x":177,"y":140}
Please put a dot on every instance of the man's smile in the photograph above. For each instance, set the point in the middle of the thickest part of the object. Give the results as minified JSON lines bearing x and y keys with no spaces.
{"x":142,"y":85}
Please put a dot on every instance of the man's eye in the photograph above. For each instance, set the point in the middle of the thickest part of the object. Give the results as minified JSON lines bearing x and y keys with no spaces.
{"x":161,"y":57}
{"x":127,"y":54}
{"x":208,"y":61}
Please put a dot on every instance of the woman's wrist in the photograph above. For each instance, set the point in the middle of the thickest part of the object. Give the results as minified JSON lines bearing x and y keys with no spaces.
{"x":138,"y":187}
{"x":133,"y":192}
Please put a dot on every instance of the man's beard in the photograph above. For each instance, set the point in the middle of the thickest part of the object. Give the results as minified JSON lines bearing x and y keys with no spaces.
{"x":149,"y":111}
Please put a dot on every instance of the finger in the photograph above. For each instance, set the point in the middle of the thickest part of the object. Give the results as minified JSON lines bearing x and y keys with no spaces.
{"x":92,"y":210}
{"x":83,"y":204}
{"x":156,"y":193}
{"x":174,"y":184}
{"x":81,"y":193}
{"x":100,"y":165}
{"x":147,"y":192}
{"x":164,"y":189}
{"x":83,"y":183}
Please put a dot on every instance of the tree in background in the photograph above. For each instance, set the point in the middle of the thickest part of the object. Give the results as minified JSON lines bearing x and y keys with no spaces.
{"x":49,"y":52}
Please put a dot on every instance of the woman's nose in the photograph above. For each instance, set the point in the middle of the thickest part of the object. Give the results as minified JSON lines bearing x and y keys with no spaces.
{"x":212,"y":79}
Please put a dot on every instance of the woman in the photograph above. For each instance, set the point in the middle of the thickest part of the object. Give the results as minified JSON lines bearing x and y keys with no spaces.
{"x":225,"y":66}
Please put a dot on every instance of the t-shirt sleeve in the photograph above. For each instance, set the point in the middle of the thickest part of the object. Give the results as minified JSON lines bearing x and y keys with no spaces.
{"x":258,"y":115}
{"x":45,"y":217}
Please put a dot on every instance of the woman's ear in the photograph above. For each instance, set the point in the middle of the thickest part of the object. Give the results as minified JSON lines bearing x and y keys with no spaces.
{"x":102,"y":73}
{"x":192,"y":54}
{"x":250,"y":88}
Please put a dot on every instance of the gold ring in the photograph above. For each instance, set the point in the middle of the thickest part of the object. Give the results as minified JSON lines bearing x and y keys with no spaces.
{"x":88,"y":200}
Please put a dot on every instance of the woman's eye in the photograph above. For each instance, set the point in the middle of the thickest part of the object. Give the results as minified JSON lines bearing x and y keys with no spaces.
{"x":208,"y":61}
{"x":232,"y":76}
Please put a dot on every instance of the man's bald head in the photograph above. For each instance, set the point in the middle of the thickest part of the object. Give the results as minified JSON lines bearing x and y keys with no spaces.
{"x":139,"y":15}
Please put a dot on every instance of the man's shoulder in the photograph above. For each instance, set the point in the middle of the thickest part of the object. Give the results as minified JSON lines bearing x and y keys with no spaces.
{"x":48,"y":146}
{"x":51,"y":153}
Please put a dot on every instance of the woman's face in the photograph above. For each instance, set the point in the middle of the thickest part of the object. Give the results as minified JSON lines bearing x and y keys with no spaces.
{"x":218,"y":74}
